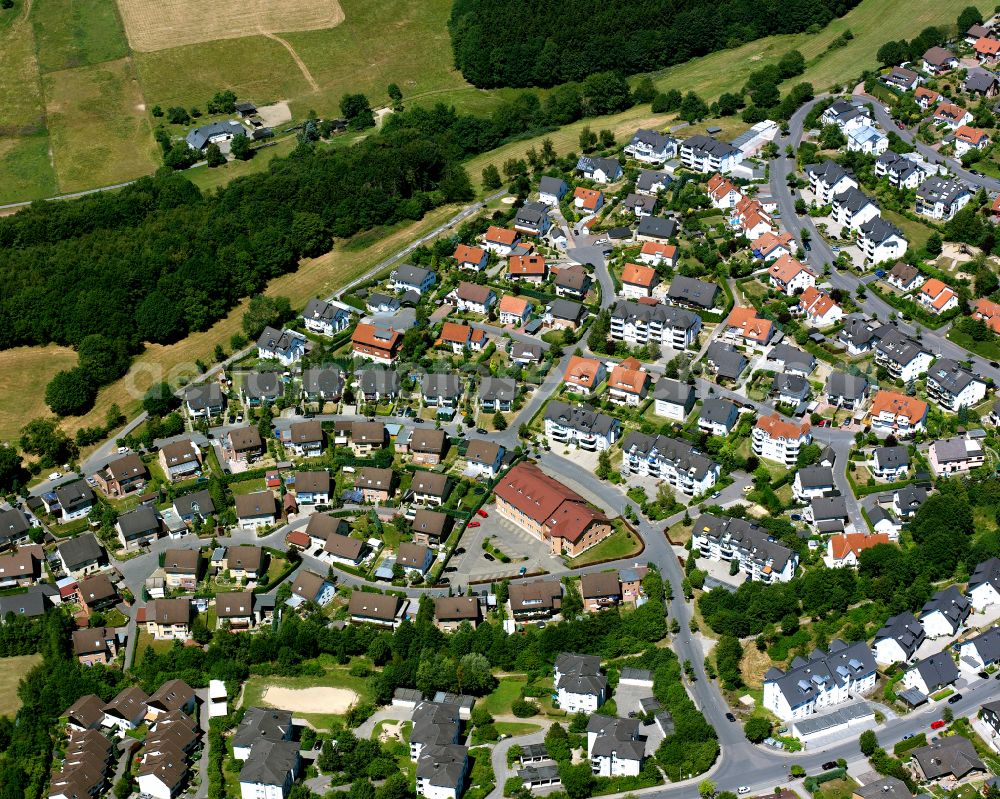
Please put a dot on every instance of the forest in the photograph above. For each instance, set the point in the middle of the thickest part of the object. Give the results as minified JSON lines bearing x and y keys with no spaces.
{"x":510,"y":43}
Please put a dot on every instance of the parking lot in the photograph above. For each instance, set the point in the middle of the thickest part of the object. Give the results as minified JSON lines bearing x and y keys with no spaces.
{"x":519,"y":546}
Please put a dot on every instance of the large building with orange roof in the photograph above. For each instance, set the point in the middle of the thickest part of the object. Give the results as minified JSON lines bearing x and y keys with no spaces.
{"x":744,"y":324}
{"x":460,"y":336}
{"x":379,"y":344}
{"x":500,"y":240}
{"x":472,"y":258}
{"x":777,"y":440}
{"x":771,"y":246}
{"x":638,"y":281}
{"x":527,"y":268}
{"x":897,"y":413}
{"x":628,"y":383}
{"x":790,"y":276}
{"x":583,"y":375}
{"x":989,"y":312}
{"x":513,"y":310}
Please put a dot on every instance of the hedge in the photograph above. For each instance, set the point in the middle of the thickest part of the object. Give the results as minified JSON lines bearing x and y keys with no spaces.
{"x":812,"y":783}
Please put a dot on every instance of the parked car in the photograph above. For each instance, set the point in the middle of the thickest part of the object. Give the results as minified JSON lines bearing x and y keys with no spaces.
{"x":730,"y":717}
{"x":954,"y":698}
{"x":522,"y":571}
{"x":984,"y":675}
{"x":743,"y":789}
{"x":473,"y":524}
{"x":459,"y":551}
{"x":907,"y":736}
{"x":829,"y":764}
{"x":482,"y":513}
{"x":55,"y":475}
{"x":488,"y":556}
{"x":937,"y":725}
{"x":481,"y":431}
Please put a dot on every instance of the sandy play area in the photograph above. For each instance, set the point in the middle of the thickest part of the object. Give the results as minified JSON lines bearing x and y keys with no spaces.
{"x":310,"y":700}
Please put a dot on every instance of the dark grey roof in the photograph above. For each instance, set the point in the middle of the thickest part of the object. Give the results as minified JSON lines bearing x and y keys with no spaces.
{"x":884,"y":788}
{"x":320,"y":309}
{"x":138,"y":522}
{"x":807,"y":678}
{"x":718,"y":411}
{"x":858,"y":331}
{"x":828,"y":508}
{"x":949,"y":450}
{"x":443,"y":766}
{"x":635,"y":201}
{"x":675,"y":391}
{"x":953,"y":755}
{"x":651,"y":138}
{"x":74,"y":495}
{"x":80,"y":551}
{"x":582,"y":418}
{"x":681,"y":454}
{"x":609,"y":166}
{"x":269,"y":762}
{"x":13,"y":524}
{"x":879,"y":230}
{"x":815,"y":477}
{"x":792,"y":356}
{"x":204,"y":395}
{"x":198,"y":502}
{"x":571,"y":663}
{"x":911,"y":497}
{"x":198,"y":138}
{"x":898,"y":165}
{"x":263,"y":723}
{"x":897,"y":346}
{"x":937,"y":671}
{"x":411,"y":275}
{"x":379,"y":381}
{"x":667,"y":315}
{"x":986,"y":572}
{"x":438,"y":384}
{"x":435,"y":724}
{"x":791,"y":385}
{"x":648,"y":177}
{"x":33,"y":602}
{"x":656,"y":227}
{"x":540,"y":773}
{"x":728,"y":361}
{"x":497,"y":388}
{"x":693,"y":291}
{"x":567,"y":309}
{"x":262,"y":385}
{"x":951,"y":603}
{"x":848,"y":386}
{"x":616,"y":736}
{"x":905,"y":630}
{"x":407,"y":695}
{"x":326,"y":380}
{"x":753,"y":541}
{"x":829,"y":171}
{"x":951,"y":377}
{"x":556,"y":186}
{"x":940,"y":190}
{"x":532,"y":213}
{"x":709,"y":146}
{"x":987,"y":644}
{"x":892,"y":457}
{"x":853,"y":199}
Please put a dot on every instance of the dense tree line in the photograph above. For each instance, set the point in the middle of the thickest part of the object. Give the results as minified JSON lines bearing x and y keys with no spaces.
{"x":895,"y":578}
{"x":506,"y":43}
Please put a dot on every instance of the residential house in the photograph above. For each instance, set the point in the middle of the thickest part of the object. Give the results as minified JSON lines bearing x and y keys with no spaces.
{"x":442,"y":391}
{"x":989,"y":312}
{"x":379,"y":303}
{"x":846,"y":116}
{"x":588,"y":200}
{"x":677,"y":462}
{"x":819,"y":309}
{"x":744,"y":325}
{"x":500,"y":240}
{"x":584,"y":375}
{"x":725,"y":360}
{"x":627,"y":383}
{"x":938,"y":60}
{"x":638,"y":281}
{"x":651,"y":147}
{"x":376,"y":485}
{"x":531,"y":601}
{"x":451,"y":612}
{"x":461,"y":337}
{"x":967,"y":139}
{"x":843,"y":550}
{"x":497,"y":394}
{"x":580,"y":685}
{"x":987,"y":50}
{"x":673,"y":399}
{"x":244,"y":562}
{"x":428,"y":445}
{"x":429,"y":488}
{"x":126,"y":711}
{"x":904,"y":358}
{"x":945,"y":612}
{"x":853,"y":208}
{"x":774,"y":439}
{"x":270,"y":770}
{"x":599,"y":170}
{"x":69,"y":502}
{"x":181,"y":568}
{"x":907,"y":501}
{"x":325,"y":318}
{"x":243,"y":444}
{"x":95,"y":645}
{"x":430,"y":528}
{"x":751,"y":546}
{"x":180,"y":460}
{"x":285,"y":346}
{"x":905,"y":277}
{"x":955,"y":455}
{"x":21,"y":567}
{"x":846,"y":391}
{"x":234,"y":610}
{"x":981,"y":651}
{"x":171,"y":697}
{"x":905,"y":80}
{"x":441,"y":772}
{"x":898,"y":639}
{"x":572,"y":281}
{"x":579,"y":427}
{"x":902,"y":171}
{"x":947,"y":760}
{"x":868,"y":140}
{"x":614,"y":746}
{"x":640,"y":324}
{"x":256,"y":509}
{"x":880,"y":241}
{"x":651,"y":182}
{"x":379,"y":344}
{"x":414,"y":557}
{"x":551,"y":190}
{"x":689,"y":292}
{"x":138,"y":528}
{"x":655,"y":228}
{"x":858,"y":335}
{"x":890,"y":463}
{"x":474,"y":298}
{"x":722,"y":193}
{"x":653,"y":253}
{"x":548,"y":510}
{"x":86,"y":713}
{"x":600,"y":590}
{"x":31,"y":604}
{"x":383,"y":610}
{"x":813,"y":481}
{"x":707,"y":155}
{"x":261,"y":388}
{"x":952,"y":386}
{"x":936,"y":297}
{"x":932,"y":674}
{"x":366,"y":437}
{"x":791,"y":276}
{"x":513,"y":310}
{"x":122,"y":476}
{"x":527,"y":268}
{"x":15,"y":528}
{"x":82,"y":555}
{"x":827,"y":180}
{"x":977,"y":32}
{"x":473,"y":259}
{"x":823,"y":680}
{"x":926,"y":98}
{"x":532,"y":218}
{"x":718,"y":416}
{"x":941,"y":198}
{"x":322,"y":384}
{"x":898,"y":413}
{"x":312,"y":488}
{"x":984,"y":584}
{"x":261,"y":724}
{"x":771,"y":246}
{"x":827,"y":514}
{"x":413,"y":278}
{"x":483,"y":458}
{"x":981,"y":83}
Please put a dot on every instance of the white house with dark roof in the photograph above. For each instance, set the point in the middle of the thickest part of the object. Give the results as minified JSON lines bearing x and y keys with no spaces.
{"x":580,"y":685}
{"x":980,"y":652}
{"x":984,"y":584}
{"x":880,"y":241}
{"x":325,"y":318}
{"x":599,"y":170}
{"x":828,"y":179}
{"x":651,"y":147}
{"x":853,"y":208}
{"x":677,"y":462}
{"x":204,"y":399}
{"x":707,"y":155}
{"x":822,"y":680}
{"x":285,"y":346}
{"x":952,"y":386}
{"x":813,"y":481}
{"x":580,"y":427}
{"x":673,"y":399}
{"x":931,"y":674}
{"x":639,"y":324}
{"x":898,"y":639}
{"x":751,"y":546}
{"x":718,"y":416}
{"x":551,"y":190}
{"x":614,"y":746}
{"x":944,"y":614}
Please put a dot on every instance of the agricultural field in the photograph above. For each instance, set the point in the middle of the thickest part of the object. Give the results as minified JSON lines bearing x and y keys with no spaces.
{"x":76,"y":34}
{"x":26,"y":372}
{"x":12,"y":669}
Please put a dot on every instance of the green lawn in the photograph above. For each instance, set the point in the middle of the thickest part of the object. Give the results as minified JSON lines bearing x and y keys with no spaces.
{"x":248,"y":486}
{"x":987,"y":349}
{"x":916,"y":233}
{"x":620,"y":544}
{"x":12,"y":669}
{"x":516,"y":727}
{"x":498,"y":703}
{"x":144,"y":639}
{"x":72,"y":33}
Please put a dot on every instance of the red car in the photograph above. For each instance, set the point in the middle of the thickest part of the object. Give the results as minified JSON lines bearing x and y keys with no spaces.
{"x":482,"y":513}
{"x":937,"y":725}
{"x":473,"y":524}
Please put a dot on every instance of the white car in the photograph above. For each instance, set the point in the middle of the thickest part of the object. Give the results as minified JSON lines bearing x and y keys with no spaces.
{"x":123,"y":450}
{"x":55,"y":475}
{"x":743,"y":789}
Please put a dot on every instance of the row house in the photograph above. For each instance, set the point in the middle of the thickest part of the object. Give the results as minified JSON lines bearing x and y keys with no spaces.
{"x":705,"y":154}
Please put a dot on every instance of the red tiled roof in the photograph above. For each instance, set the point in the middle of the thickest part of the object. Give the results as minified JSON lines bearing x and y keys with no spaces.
{"x":899,"y":405}
{"x":639,"y":275}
